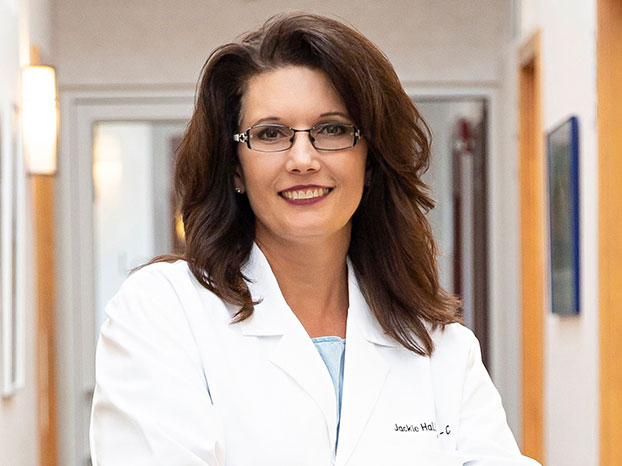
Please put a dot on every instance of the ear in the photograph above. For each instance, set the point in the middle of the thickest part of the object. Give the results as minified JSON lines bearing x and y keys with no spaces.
{"x":238,"y":180}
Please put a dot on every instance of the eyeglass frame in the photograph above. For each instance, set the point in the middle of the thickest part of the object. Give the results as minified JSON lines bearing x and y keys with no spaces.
{"x":244,"y":137}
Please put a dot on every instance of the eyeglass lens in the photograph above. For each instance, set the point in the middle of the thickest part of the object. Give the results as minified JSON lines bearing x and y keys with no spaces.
{"x":274,"y":138}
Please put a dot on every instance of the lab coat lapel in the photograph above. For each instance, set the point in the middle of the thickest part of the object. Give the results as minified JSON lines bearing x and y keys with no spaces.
{"x":297,"y":356}
{"x":295,"y":353}
{"x":365,"y":370}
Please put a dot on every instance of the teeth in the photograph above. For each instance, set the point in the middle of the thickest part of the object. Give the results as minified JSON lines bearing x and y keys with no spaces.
{"x":308,"y":194}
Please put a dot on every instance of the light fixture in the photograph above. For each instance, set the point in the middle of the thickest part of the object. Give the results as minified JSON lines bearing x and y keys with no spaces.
{"x":107,"y":164}
{"x":39,"y":119}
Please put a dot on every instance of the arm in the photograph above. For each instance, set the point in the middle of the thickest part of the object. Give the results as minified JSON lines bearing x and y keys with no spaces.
{"x":485,"y":436}
{"x":151,"y":404}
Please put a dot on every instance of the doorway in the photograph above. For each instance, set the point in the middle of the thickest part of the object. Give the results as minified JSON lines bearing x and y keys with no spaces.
{"x":135,"y":215}
{"x":117,"y":150}
{"x":458,"y":180}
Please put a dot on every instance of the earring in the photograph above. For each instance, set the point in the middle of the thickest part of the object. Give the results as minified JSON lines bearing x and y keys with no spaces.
{"x":238,"y":190}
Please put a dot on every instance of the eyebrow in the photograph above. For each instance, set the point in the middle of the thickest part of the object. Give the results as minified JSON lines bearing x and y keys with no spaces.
{"x":266,"y":119}
{"x":334,"y":114}
{"x":323,"y":115}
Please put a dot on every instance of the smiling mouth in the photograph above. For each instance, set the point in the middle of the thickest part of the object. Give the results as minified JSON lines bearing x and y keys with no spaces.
{"x":300,"y":194}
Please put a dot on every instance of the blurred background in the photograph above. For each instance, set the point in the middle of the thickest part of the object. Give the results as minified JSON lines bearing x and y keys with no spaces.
{"x":84,"y":201}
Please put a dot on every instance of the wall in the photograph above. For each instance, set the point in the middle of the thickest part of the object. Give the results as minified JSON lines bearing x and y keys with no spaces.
{"x":22,"y":23}
{"x":504,"y":236}
{"x":17,"y":414}
{"x":571,"y":343}
{"x":166,"y":42}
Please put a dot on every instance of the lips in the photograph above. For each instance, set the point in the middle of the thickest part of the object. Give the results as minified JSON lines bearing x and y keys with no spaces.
{"x":305,"y":193}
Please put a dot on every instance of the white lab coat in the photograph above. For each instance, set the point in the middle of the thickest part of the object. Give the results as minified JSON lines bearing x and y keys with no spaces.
{"x":179,"y":385}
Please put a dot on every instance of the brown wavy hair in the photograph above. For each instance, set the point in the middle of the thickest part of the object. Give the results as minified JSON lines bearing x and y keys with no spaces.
{"x":392,"y":249}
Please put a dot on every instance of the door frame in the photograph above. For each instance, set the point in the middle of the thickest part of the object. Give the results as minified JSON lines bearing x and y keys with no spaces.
{"x":532,"y":230}
{"x":503,"y":270}
{"x":609,"y":113}
{"x":80,"y":109}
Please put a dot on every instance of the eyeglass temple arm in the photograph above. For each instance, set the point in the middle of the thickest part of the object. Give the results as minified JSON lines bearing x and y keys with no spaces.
{"x":240,"y":137}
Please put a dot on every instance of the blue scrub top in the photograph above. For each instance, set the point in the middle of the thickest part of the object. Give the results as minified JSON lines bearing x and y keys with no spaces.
{"x":332,"y":349}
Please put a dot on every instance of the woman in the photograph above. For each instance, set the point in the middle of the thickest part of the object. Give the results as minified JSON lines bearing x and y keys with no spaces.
{"x":306,"y":324}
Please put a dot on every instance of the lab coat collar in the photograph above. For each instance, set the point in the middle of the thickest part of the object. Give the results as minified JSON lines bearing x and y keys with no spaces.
{"x":360,"y":314}
{"x":365,"y":368}
{"x":272,"y":316}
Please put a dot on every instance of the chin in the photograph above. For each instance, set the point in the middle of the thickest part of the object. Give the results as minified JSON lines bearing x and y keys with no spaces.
{"x":315,"y":233}
{"x":297,"y":230}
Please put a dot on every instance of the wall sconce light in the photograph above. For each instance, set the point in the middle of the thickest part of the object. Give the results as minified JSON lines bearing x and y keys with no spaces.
{"x":39,"y":119}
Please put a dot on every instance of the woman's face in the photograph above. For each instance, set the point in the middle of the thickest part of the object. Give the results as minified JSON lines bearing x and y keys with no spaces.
{"x":301,"y":193}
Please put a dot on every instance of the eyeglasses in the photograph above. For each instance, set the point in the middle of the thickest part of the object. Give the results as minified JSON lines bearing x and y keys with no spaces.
{"x":278,"y":138}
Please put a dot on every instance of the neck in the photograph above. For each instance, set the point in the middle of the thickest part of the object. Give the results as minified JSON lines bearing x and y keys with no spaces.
{"x":313,"y":278}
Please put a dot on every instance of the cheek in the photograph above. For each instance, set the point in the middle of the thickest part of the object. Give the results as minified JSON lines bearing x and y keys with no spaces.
{"x":256,"y":176}
{"x":245,"y":171}
{"x":359,"y":168}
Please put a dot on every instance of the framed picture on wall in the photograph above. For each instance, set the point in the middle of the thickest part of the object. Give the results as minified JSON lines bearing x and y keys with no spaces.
{"x":12,"y":234}
{"x":563,"y":196}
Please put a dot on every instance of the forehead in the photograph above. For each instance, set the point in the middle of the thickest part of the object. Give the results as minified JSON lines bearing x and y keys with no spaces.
{"x":292,"y":94}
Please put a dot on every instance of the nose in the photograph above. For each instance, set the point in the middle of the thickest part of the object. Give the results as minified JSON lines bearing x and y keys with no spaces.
{"x":302,"y":157}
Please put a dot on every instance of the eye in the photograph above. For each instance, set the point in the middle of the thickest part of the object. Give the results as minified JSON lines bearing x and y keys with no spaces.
{"x":270,"y":133}
{"x":332,"y":129}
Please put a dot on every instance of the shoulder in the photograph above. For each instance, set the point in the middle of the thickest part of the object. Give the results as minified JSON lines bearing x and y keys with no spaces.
{"x":456,"y":364}
{"x":453,"y":335}
{"x":148,"y":290}
{"x":161,"y":279}
{"x":164,"y":302}
{"x":454,"y":344}
{"x":160,"y":272}
{"x":154,"y":282}
{"x":161,"y":288}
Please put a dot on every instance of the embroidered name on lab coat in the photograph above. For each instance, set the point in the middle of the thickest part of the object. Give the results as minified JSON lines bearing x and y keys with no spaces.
{"x":423,"y":427}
